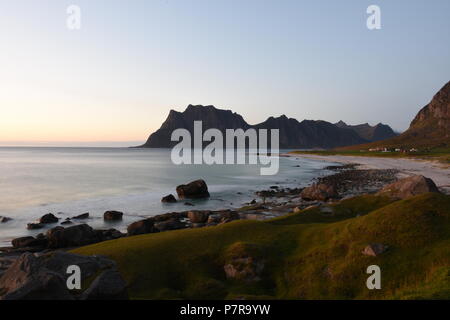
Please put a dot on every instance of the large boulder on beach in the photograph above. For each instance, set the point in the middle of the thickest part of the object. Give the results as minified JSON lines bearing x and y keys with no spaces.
{"x":48,"y":218}
{"x":113,"y":215}
{"x":44,"y":277}
{"x":320,"y":192}
{"x":409,"y":187}
{"x":141,"y":227}
{"x":79,"y":235}
{"x":169,"y":199}
{"x":193,"y":190}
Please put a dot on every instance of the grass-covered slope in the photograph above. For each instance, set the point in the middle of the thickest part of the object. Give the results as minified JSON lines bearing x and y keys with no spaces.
{"x":315,"y":254}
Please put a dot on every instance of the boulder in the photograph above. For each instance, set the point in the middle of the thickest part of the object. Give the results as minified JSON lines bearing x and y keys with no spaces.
{"x":169,"y":199}
{"x":105,"y":235}
{"x":228,"y":216}
{"x":409,"y":187}
{"x":109,"y":285}
{"x":44,"y":277}
{"x":193,"y":190}
{"x":112,"y":215}
{"x":48,"y":218}
{"x":141,"y":227}
{"x":82,"y":216}
{"x":34,"y":226}
{"x":66,"y":222}
{"x":198,"y":216}
{"x":172,"y":224}
{"x":27,"y":279}
{"x":79,"y":235}
{"x":374,"y":249}
{"x":4,"y":219}
{"x":320,"y":192}
{"x":297,"y":210}
{"x":24,"y":242}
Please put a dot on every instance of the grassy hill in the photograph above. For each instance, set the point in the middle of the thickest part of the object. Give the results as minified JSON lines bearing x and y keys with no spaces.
{"x":308,"y":255}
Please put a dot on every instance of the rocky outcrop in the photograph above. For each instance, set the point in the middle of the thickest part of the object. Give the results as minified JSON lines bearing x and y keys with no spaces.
{"x":4,"y":219}
{"x":293,"y":134}
{"x":193,"y":190}
{"x":44,"y":277}
{"x":320,"y":192}
{"x":244,"y":262}
{"x":409,"y":187}
{"x":113,"y":215}
{"x":198,"y":216}
{"x":169,"y":199}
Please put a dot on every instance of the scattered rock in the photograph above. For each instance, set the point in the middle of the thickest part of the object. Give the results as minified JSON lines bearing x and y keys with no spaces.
{"x":48,"y":218}
{"x":4,"y":219}
{"x":79,"y":235}
{"x":66,"y":222}
{"x":34,"y":226}
{"x":321,"y":192}
{"x":253,"y":201}
{"x":169,"y":199}
{"x":141,"y":227}
{"x":188,"y":204}
{"x":193,"y":190}
{"x":410,"y":186}
{"x":198,"y":216}
{"x":374,"y":249}
{"x":82,"y":216}
{"x":23,"y":242}
{"x":244,"y":262}
{"x":171,"y":224}
{"x":112,"y":215}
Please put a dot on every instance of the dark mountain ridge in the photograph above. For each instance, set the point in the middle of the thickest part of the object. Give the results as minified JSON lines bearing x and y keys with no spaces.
{"x":308,"y":134}
{"x":370,"y":133}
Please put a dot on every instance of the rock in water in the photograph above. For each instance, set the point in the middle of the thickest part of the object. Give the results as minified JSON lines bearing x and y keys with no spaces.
{"x":169,"y":199}
{"x":409,"y":187}
{"x":4,"y":219}
{"x":48,"y":218}
{"x":82,"y":216}
{"x":193,"y":190}
{"x":34,"y":226}
{"x":112,"y":215}
{"x":320,"y":192}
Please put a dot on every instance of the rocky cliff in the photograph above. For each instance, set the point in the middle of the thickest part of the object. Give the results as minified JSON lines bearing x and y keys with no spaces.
{"x":293,"y":134}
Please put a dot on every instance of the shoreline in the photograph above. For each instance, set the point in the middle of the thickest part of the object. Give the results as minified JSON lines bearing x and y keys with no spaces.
{"x":272,"y":203}
{"x":406,"y":167}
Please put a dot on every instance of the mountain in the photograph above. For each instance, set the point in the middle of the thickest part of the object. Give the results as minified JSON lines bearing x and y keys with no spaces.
{"x":429,"y":129}
{"x":368,"y":132}
{"x":307,"y":134}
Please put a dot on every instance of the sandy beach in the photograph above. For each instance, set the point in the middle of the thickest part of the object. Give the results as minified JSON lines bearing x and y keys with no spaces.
{"x":407,"y":167}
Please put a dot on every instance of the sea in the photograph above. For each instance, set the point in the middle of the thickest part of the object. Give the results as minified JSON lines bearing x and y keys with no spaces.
{"x":71,"y":181}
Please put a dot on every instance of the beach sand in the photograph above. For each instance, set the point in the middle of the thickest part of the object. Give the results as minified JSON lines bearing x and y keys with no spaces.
{"x":407,"y":167}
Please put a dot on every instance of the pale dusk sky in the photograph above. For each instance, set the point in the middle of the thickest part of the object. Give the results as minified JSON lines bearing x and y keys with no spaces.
{"x":114,"y":81}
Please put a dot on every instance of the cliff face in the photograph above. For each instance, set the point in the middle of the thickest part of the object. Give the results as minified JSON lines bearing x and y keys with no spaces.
{"x":293,"y":134}
{"x":370,"y":133}
{"x":429,"y":129}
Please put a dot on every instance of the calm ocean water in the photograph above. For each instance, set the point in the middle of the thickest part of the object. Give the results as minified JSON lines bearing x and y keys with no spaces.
{"x":71,"y":181}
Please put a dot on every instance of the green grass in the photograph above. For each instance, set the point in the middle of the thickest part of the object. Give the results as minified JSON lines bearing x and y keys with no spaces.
{"x":308,"y":255}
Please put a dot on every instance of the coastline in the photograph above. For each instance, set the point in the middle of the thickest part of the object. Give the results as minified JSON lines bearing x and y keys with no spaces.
{"x":406,"y":167}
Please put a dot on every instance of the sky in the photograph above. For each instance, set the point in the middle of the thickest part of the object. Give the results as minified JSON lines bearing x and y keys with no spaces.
{"x":114,"y":81}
